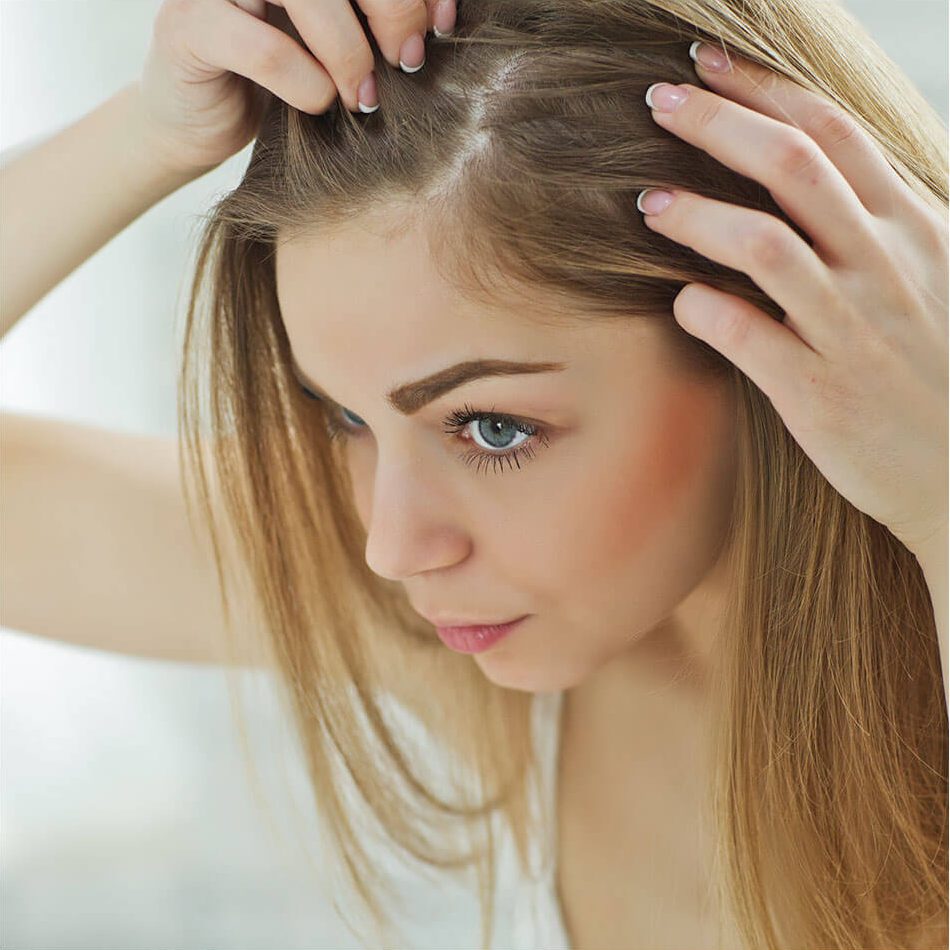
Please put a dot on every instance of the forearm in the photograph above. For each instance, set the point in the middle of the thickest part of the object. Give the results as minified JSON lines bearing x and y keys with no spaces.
{"x":65,"y":198}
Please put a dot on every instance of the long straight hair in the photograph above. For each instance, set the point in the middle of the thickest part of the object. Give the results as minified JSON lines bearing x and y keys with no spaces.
{"x":520,"y":149}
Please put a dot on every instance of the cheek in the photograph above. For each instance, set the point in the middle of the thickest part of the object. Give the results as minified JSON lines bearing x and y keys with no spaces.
{"x":665,"y":485}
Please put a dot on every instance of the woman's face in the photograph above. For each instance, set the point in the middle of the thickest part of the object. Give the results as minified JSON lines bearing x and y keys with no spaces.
{"x":613,"y":514}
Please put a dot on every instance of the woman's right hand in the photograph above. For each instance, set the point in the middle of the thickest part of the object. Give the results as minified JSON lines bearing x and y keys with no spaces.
{"x":199,"y":90}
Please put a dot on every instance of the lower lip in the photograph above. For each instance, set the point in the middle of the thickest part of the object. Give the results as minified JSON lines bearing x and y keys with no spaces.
{"x":475,"y":639}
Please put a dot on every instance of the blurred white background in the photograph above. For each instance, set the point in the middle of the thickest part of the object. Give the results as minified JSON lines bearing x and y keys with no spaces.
{"x":127,"y":819}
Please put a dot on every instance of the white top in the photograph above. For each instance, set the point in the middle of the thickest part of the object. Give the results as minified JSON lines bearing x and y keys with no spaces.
{"x":537,"y":921}
{"x":528,"y":914}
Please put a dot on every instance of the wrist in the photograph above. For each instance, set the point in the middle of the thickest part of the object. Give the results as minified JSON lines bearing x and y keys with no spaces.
{"x":150,"y":158}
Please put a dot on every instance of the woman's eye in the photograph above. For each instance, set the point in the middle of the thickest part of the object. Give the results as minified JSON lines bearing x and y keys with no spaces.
{"x":499,"y":439}
{"x":497,"y":431}
{"x":335,"y":414}
{"x":351,"y":418}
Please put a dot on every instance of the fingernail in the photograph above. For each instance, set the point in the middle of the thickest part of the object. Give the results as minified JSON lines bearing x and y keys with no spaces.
{"x":664,"y":97}
{"x":366,"y":95}
{"x":653,"y":201}
{"x":443,"y":20}
{"x":709,"y":57}
{"x":412,"y":56}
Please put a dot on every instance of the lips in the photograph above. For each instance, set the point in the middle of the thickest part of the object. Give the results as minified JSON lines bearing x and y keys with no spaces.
{"x":478,"y":638}
{"x":472,"y":623}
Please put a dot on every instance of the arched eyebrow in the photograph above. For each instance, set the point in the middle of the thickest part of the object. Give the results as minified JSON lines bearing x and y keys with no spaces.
{"x":409,"y":398}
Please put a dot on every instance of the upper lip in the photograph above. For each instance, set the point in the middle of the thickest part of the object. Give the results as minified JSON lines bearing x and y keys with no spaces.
{"x":449,"y":622}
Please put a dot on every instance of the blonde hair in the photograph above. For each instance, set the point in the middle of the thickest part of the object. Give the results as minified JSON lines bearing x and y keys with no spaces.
{"x":520,"y":149}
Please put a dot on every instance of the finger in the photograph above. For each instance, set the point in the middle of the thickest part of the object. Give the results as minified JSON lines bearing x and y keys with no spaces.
{"x":257,"y":8}
{"x":764,"y":248}
{"x":331,"y":30}
{"x":766,"y":351}
{"x":442,"y":14}
{"x":849,"y":148}
{"x":394,"y":24}
{"x":799,"y":176}
{"x":228,"y":37}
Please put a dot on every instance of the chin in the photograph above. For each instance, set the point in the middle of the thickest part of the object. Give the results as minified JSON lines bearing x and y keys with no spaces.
{"x":511,"y":674}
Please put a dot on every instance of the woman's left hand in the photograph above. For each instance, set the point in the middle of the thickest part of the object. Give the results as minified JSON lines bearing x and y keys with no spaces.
{"x":858,"y":368}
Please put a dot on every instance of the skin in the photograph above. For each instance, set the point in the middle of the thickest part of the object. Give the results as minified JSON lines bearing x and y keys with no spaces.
{"x":857,"y":369}
{"x":610,"y":537}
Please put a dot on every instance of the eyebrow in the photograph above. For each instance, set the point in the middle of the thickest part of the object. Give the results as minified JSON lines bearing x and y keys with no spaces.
{"x":409,"y":398}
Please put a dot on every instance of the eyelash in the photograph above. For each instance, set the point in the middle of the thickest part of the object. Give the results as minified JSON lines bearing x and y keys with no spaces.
{"x":456,"y":422}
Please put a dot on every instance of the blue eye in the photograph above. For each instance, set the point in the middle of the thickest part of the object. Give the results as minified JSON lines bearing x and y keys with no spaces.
{"x":495,"y":431}
{"x":312,"y":395}
{"x":352,"y":415}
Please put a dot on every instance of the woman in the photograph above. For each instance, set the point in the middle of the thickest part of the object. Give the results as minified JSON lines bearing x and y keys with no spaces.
{"x":715,"y":516}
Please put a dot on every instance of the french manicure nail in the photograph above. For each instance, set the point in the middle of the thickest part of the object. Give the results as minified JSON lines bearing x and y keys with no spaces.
{"x":367,"y":96}
{"x":412,"y":56}
{"x":653,"y":200}
{"x":708,"y":57}
{"x":443,"y":20}
{"x":665,"y":97}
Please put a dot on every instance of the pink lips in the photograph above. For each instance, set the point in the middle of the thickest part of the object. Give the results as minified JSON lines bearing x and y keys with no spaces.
{"x":475,"y":639}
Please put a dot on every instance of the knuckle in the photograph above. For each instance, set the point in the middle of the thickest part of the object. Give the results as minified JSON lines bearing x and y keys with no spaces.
{"x":397,"y":11}
{"x":732,"y":328}
{"x":765,"y":242}
{"x":934,"y":232}
{"x":795,"y":154}
{"x":830,"y":125}
{"x":404,"y":9}
{"x":323,"y":102}
{"x":879,"y":344}
{"x":354,"y":62}
{"x":171,"y":16}
{"x":270,"y":55}
{"x":707,"y":112}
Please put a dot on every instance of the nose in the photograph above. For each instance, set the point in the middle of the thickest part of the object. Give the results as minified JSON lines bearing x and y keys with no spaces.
{"x":411,"y":525}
